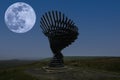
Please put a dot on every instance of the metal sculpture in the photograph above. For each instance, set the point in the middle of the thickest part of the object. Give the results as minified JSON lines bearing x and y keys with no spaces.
{"x":61,"y":32}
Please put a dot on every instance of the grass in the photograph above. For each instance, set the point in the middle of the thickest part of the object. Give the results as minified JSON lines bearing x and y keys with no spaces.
{"x":84,"y":68}
{"x":111,"y":64}
{"x":15,"y":75}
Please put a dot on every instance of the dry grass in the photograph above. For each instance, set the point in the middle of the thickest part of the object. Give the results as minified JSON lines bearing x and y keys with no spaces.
{"x":83,"y":68}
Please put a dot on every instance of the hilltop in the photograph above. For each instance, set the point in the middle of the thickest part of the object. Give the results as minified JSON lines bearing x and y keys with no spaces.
{"x":82,"y":68}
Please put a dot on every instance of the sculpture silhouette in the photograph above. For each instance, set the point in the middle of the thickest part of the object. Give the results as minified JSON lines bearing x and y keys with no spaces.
{"x":61,"y":32}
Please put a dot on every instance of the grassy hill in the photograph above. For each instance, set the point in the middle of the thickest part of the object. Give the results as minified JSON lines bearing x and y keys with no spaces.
{"x":83,"y":68}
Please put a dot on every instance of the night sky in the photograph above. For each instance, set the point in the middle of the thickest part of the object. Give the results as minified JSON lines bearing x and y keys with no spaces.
{"x":98,"y":22}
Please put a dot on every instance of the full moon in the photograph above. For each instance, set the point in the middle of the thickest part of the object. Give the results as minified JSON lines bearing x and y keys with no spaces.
{"x":20,"y":17}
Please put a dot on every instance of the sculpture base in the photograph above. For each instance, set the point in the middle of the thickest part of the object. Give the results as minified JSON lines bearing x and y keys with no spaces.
{"x":55,"y":69}
{"x":56,"y":62}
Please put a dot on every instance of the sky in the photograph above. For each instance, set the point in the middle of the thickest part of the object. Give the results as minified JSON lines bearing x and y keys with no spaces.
{"x":98,"y":22}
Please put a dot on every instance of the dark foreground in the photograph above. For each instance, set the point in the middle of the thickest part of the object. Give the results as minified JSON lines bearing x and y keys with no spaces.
{"x":82,"y":68}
